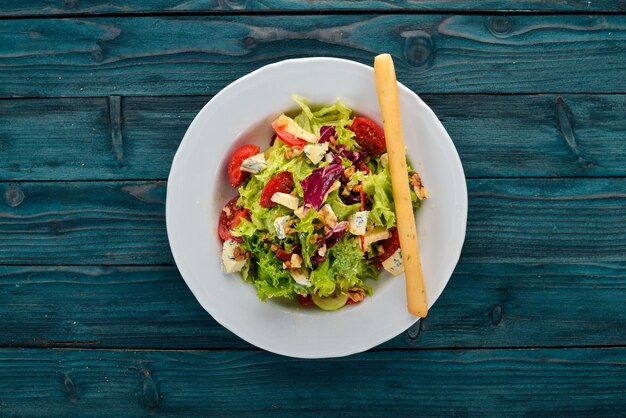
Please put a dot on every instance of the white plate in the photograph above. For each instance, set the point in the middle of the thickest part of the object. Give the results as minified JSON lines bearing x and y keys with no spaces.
{"x":198,"y":188}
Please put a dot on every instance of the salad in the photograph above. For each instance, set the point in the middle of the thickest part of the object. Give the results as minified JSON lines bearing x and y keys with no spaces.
{"x":314,"y":219}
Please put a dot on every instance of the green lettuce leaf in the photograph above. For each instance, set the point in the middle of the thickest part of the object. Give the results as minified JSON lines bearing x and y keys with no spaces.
{"x":378,"y":186}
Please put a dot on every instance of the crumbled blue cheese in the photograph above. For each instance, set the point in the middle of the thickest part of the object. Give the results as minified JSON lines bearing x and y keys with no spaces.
{"x":394,"y":263}
{"x":384,"y":160}
{"x":228,"y":257}
{"x":329,"y":157}
{"x":358,"y":222}
{"x":254,"y":164}
{"x":286,"y":200}
{"x":316,"y":152}
{"x":328,"y":216}
{"x":377,"y":234}
{"x":300,"y":277}
{"x":280,"y":224}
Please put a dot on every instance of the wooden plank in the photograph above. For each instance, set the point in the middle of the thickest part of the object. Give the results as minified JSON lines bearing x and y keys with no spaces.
{"x":71,"y":139}
{"x":200,"y":55}
{"x":579,"y":382}
{"x":484,"y":305}
{"x":83,"y":223}
{"x":71,"y":7}
{"x":109,"y":223}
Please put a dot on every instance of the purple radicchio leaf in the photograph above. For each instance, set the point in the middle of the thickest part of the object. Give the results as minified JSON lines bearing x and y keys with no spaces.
{"x":331,"y":238}
{"x":325,"y":133}
{"x":315,"y":186}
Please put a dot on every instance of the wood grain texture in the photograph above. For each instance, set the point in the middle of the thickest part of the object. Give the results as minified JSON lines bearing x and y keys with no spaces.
{"x":83,"y":223}
{"x":200,"y":55}
{"x":496,"y":135}
{"x":485,"y":382}
{"x":484,"y":305}
{"x":109,"y":223}
{"x":69,"y":7}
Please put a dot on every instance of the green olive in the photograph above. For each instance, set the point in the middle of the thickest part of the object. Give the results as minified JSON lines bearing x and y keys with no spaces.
{"x":331,"y":303}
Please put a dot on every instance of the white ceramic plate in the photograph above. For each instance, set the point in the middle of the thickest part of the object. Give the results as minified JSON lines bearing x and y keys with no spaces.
{"x":198,"y":188}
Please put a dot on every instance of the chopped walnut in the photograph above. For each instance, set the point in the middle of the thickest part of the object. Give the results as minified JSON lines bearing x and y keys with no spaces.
{"x":293,"y":152}
{"x":315,"y":238}
{"x":349,"y":172}
{"x":286,"y":264}
{"x":420,"y":190}
{"x":274,"y":247}
{"x":240,"y":254}
{"x":356,"y":294}
{"x":289,"y":230}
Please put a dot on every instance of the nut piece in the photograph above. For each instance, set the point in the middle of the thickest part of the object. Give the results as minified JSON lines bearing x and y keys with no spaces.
{"x":315,"y":238}
{"x":349,"y":172}
{"x":240,"y":254}
{"x":420,"y":190}
{"x":296,"y":261}
{"x":274,"y":247}
{"x":293,"y":152}
{"x":356,"y":294}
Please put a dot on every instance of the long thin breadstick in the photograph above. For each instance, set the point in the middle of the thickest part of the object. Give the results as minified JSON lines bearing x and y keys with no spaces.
{"x":387,"y":90}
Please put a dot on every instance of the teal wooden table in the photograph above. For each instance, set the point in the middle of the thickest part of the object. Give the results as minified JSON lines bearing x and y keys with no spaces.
{"x":95,"y":97}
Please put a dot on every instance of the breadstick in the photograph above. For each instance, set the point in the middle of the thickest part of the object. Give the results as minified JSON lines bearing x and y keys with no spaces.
{"x":387,"y":90}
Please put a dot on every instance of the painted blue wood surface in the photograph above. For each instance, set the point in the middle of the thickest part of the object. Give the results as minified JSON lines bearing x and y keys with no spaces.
{"x":105,"y":103}
{"x":72,"y":139}
{"x":200,"y":55}
{"x":398,"y":383}
{"x":69,"y":7}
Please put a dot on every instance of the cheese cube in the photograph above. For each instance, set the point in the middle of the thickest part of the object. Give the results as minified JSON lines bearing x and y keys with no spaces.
{"x":228,"y":257}
{"x":280,"y":224}
{"x":299,"y":212}
{"x":300,"y":277}
{"x":316,"y":152}
{"x":328,"y":216}
{"x":329,"y":157}
{"x":254,"y":164}
{"x":358,"y":222}
{"x":394,"y":263}
{"x":377,"y":234}
{"x":286,"y":200}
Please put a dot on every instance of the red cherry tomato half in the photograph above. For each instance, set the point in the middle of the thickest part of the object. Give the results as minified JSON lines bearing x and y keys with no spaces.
{"x":283,"y":255}
{"x":305,"y":300}
{"x":281,"y":182}
{"x":390,"y":245}
{"x":368,"y":135}
{"x":290,"y":132}
{"x":235,"y":175}
{"x":231,"y":217}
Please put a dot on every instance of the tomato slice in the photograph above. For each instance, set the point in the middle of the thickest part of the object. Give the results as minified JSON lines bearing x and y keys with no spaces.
{"x":231,"y":216}
{"x":390,"y":245}
{"x":305,"y":300}
{"x":291,"y":133}
{"x":368,"y":135}
{"x":281,"y":182}
{"x":235,"y":175}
